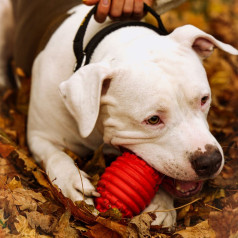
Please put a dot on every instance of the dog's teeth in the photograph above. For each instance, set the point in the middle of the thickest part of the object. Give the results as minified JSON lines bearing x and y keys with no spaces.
{"x":183,"y":190}
{"x":178,"y":187}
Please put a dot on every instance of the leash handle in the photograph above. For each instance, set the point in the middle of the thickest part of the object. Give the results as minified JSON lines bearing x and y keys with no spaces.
{"x":157,"y":17}
{"x":78,"y":40}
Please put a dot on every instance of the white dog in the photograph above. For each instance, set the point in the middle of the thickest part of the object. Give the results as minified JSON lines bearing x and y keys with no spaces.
{"x":141,"y":92}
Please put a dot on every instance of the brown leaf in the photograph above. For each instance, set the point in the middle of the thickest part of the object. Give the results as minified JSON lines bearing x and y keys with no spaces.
{"x":79,"y":213}
{"x":64,"y":229}
{"x":99,"y":231}
{"x":50,"y":208}
{"x":46,"y":223}
{"x":7,"y":203}
{"x":231,"y":201}
{"x":41,"y":177}
{"x":14,"y":183}
{"x":23,"y":227}
{"x":27,"y":199}
{"x":2,"y":232}
{"x":97,"y":164}
{"x":5,"y":149}
{"x":6,"y":168}
{"x":224,"y":223}
{"x":139,"y":226}
{"x":228,"y":177}
{"x":114,"y":226}
{"x":201,"y":230}
{"x":112,"y":213}
{"x":3,"y":181}
{"x":183,"y":212}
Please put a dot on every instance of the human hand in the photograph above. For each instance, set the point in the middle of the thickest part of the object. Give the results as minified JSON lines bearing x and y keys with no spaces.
{"x":118,"y":9}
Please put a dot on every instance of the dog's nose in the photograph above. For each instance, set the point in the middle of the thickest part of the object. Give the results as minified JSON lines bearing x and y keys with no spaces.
{"x":206,"y":163}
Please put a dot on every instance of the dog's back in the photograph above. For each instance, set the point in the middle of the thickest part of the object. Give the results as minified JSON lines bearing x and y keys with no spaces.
{"x":36,"y":22}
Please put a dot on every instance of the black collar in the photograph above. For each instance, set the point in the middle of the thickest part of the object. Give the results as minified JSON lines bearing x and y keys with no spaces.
{"x":83,"y":55}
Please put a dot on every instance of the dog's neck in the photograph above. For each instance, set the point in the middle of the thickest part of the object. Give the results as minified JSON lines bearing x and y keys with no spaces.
{"x":83,"y":53}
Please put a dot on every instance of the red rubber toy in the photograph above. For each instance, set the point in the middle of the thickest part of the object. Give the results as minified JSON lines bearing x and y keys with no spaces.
{"x":128,"y":184}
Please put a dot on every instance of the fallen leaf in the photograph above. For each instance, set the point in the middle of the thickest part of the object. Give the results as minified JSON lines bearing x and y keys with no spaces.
{"x":81,"y":214}
{"x":201,"y":230}
{"x":215,"y":194}
{"x":23,"y":227}
{"x":231,"y":201}
{"x":112,"y":213}
{"x":64,"y":229}
{"x":3,"y":181}
{"x":15,"y":183}
{"x":114,"y":226}
{"x":7,"y":203}
{"x":97,"y":164}
{"x":27,"y":199}
{"x":224,"y":223}
{"x":139,"y":226}
{"x":5,"y":149}
{"x":46,"y":223}
{"x":99,"y":231}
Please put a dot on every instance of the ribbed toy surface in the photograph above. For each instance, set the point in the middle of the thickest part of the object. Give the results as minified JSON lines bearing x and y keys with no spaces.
{"x":128,"y":184}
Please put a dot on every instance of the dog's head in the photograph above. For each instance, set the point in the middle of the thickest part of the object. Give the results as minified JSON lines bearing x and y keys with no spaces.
{"x":153,"y":100}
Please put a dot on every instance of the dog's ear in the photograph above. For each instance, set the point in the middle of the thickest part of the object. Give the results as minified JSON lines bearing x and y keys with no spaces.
{"x":201,"y":42}
{"x":81,"y":94}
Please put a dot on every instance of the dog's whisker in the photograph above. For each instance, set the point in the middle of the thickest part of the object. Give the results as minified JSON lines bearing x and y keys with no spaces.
{"x":163,"y":176}
{"x":174,"y":181}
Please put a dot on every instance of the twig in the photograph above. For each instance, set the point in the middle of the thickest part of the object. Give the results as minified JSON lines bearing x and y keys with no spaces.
{"x":176,"y":208}
{"x":207,"y":205}
{"x":81,"y":181}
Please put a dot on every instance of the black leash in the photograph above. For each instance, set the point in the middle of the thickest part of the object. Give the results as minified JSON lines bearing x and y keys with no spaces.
{"x":83,"y":56}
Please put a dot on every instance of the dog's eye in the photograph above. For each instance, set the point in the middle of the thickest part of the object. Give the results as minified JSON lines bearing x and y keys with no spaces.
{"x":154,"y":120}
{"x":204,"y":100}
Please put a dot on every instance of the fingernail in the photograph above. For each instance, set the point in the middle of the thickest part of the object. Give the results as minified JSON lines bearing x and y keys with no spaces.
{"x":105,"y":2}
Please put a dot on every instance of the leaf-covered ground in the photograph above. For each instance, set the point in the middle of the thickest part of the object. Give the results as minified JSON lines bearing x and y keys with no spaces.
{"x":30,"y":206}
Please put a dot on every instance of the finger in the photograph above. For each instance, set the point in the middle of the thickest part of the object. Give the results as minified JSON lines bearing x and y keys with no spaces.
{"x":116,"y":8}
{"x":90,"y":2}
{"x":102,"y":10}
{"x":138,"y":9}
{"x":128,"y":8}
{"x":149,"y":2}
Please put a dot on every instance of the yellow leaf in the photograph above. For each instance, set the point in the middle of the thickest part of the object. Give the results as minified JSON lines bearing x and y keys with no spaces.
{"x":183,"y":212}
{"x":201,"y":230}
{"x":14,"y":184}
{"x":220,"y":193}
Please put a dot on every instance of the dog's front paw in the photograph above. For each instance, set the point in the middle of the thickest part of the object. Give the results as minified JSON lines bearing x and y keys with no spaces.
{"x":162,"y":202}
{"x":76,"y":186}
{"x":72,"y":182}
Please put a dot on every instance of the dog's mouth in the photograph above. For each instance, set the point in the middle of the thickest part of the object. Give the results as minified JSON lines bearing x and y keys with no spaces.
{"x":177,"y":188}
{"x":181,"y":189}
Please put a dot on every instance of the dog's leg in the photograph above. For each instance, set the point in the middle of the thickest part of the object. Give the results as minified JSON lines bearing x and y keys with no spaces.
{"x":162,"y":201}
{"x":61,"y":170}
{"x":6,"y":41}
